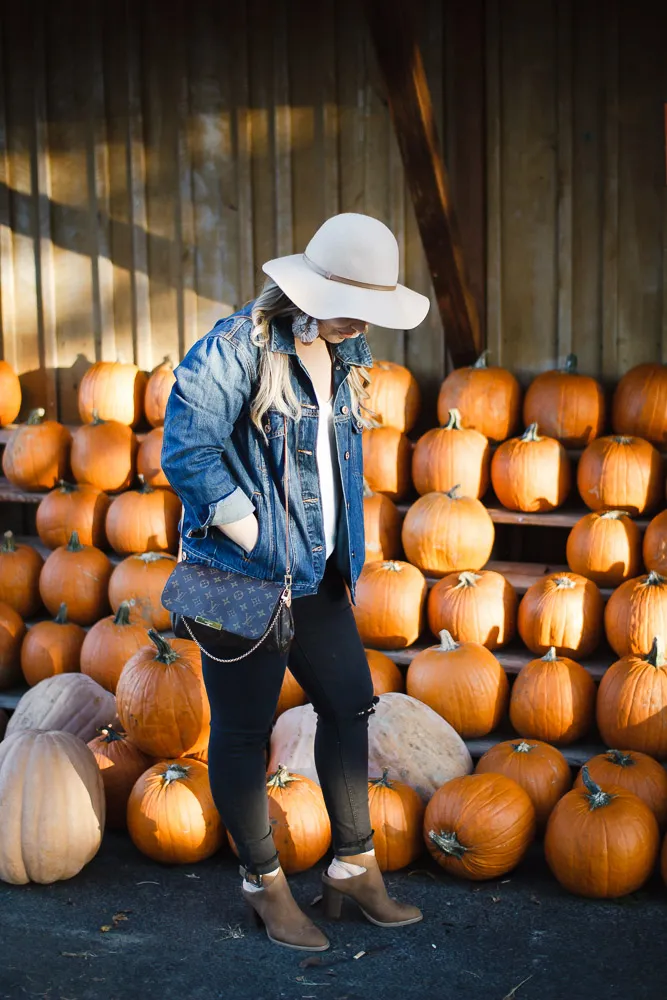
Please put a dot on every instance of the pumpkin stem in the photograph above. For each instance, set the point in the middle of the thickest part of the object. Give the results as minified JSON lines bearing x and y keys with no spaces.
{"x":110,"y":734}
{"x":447,"y":643}
{"x":65,"y":487}
{"x":523,"y":747}
{"x":530,"y":433}
{"x":596,"y":797}
{"x":280,"y":778}
{"x":656,"y":657}
{"x":564,"y":581}
{"x":9,"y":543}
{"x":447,"y":842}
{"x":620,"y":758}
{"x":123,"y":614}
{"x":653,"y":579}
{"x":551,"y":655}
{"x":74,"y":545}
{"x":149,"y":557}
{"x":482,"y":360}
{"x":467,"y":579}
{"x":392,"y":566}
{"x":61,"y":617}
{"x":97,"y":419}
{"x":454,"y":493}
{"x":383,"y":781}
{"x":614,"y":515}
{"x":36,"y":416}
{"x":570,"y":366}
{"x":165,"y":651}
{"x":175,"y":772}
{"x":454,"y":422}
{"x":622,"y":439}
{"x":144,"y":487}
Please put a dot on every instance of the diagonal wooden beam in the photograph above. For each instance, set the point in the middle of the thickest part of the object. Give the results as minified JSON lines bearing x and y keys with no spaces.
{"x":393,"y":34}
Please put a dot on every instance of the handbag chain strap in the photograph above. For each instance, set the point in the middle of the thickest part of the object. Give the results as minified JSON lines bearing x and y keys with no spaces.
{"x":285,"y":597}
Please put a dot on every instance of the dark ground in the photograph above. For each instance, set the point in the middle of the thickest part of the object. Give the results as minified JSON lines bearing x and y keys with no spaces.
{"x":185,"y":937}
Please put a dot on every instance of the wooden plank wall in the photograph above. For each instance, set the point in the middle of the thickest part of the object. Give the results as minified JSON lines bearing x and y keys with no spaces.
{"x":153,"y":155}
{"x":576,"y":196}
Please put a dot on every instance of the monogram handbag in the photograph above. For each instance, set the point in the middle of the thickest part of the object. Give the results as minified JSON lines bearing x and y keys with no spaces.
{"x":222,"y":610}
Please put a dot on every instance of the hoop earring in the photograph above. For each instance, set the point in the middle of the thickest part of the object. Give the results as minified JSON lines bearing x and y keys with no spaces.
{"x":305,"y":328}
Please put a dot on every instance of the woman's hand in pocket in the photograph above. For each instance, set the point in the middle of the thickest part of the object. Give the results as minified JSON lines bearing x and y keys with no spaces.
{"x":244,"y":532}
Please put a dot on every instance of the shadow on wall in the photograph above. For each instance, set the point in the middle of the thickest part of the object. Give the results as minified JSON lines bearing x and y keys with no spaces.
{"x":49,"y":387}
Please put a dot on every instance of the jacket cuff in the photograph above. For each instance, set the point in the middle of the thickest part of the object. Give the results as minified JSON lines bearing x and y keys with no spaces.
{"x":232,"y":508}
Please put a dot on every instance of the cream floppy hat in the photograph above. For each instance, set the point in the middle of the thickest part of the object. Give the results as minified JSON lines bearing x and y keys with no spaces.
{"x":350,"y":269}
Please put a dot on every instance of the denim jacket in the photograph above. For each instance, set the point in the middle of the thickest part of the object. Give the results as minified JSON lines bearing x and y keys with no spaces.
{"x":222,"y":468}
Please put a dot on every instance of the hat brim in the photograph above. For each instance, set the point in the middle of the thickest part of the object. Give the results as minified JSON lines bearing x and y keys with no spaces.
{"x":322,"y":298}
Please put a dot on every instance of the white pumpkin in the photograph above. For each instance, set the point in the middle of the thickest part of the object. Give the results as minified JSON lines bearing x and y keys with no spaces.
{"x":404,"y":735}
{"x":51,"y":807}
{"x":69,"y":703}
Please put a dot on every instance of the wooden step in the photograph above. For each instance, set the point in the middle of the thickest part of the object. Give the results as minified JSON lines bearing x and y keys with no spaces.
{"x":45,"y":551}
{"x":6,"y":432}
{"x":512,"y":660}
{"x":564,"y":517}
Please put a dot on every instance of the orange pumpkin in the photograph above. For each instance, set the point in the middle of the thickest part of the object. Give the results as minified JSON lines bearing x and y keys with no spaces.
{"x":144,"y":520}
{"x":540,"y":769}
{"x":635,"y":772}
{"x":77,"y":575}
{"x":299,"y":820}
{"x":161,"y":699}
{"x":620,"y":473}
{"x":121,"y":764}
{"x":384,"y":672}
{"x":382,"y":526}
{"x":291,"y":694}
{"x":605,"y":547}
{"x":655,"y":545}
{"x":51,"y":648}
{"x":73,"y":507}
{"x":12,"y":631}
{"x":393,"y":395}
{"x":140,"y":580}
{"x":37,"y":453}
{"x":632,"y":702}
{"x":447,"y":532}
{"x":449,"y":455}
{"x":601,"y":843}
{"x":474,"y":607}
{"x":397,"y":818}
{"x":104,"y":455}
{"x":564,"y":610}
{"x":387,"y":458}
{"x":20,"y":566}
{"x":462,"y":682}
{"x":158,"y":389}
{"x":108,"y":646}
{"x":553,"y":699}
{"x":114,"y":390}
{"x":171,"y":816}
{"x":635,"y":613}
{"x":531,"y":472}
{"x":567,"y":406}
{"x":389,"y":608}
{"x":10,"y":394}
{"x":479,"y":826}
{"x":488,"y":399}
{"x":640,"y":403}
{"x":149,"y":466}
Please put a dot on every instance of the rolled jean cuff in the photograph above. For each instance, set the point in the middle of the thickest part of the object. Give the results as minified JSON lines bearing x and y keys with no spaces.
{"x":359,"y":847}
{"x":263,"y":867}
{"x":234,"y":507}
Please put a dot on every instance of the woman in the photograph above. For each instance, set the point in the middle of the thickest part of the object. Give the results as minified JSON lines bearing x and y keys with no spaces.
{"x":292,"y":361}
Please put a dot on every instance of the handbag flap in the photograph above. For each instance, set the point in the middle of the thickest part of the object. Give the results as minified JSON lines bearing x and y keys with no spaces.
{"x":225,"y":600}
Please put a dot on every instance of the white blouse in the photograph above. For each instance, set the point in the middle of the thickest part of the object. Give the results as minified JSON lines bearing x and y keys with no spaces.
{"x":329,"y":473}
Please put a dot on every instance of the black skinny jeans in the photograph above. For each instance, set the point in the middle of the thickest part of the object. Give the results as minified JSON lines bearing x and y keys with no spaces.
{"x":328,"y":660}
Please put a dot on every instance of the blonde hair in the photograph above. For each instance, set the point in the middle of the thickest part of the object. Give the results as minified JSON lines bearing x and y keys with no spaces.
{"x":275,"y":389}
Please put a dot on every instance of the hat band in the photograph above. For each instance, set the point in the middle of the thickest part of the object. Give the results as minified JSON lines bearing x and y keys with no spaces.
{"x":346,"y":281}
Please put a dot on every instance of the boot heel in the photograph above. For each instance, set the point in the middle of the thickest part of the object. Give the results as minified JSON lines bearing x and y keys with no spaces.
{"x":254,"y":916}
{"x":333,"y":903}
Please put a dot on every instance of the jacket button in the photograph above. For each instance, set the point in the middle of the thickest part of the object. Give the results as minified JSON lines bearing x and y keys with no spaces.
{"x":345,"y":409}
{"x":347,"y":456}
{"x":337,"y":368}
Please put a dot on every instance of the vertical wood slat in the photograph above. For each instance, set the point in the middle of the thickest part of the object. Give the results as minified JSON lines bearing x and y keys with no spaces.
{"x":494,"y":216}
{"x":564,"y":222}
{"x":610,"y":195}
{"x":282,"y":136}
{"x":241,"y":100}
{"x":8,"y":347}
{"x":185,"y":215}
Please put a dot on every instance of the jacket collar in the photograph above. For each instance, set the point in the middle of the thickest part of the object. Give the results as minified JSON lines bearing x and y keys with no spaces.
{"x":350,"y":352}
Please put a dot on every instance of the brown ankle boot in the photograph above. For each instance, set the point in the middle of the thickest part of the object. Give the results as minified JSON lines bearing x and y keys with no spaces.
{"x":369,"y":893}
{"x":286,"y":924}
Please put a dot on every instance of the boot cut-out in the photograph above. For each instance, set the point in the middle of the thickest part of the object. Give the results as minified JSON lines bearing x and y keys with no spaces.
{"x":368,"y":891}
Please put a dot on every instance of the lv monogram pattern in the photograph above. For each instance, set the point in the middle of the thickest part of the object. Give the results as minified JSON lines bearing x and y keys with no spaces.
{"x":240,"y":604}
